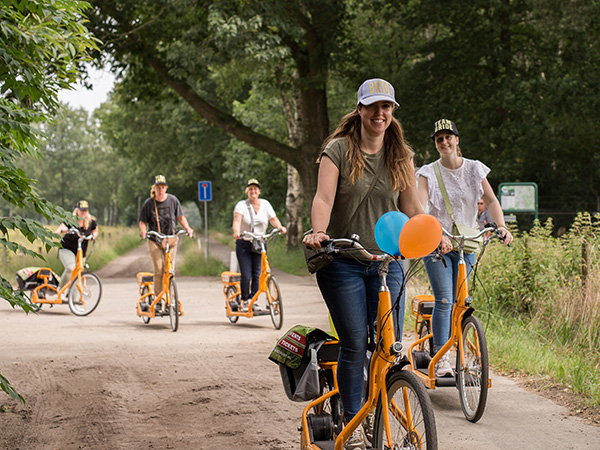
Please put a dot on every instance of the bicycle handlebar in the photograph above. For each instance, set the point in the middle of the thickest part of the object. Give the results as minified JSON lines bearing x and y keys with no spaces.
{"x":79,"y":235}
{"x":331,"y":246}
{"x":273,"y":232}
{"x":460,"y":238}
{"x":165,"y":236}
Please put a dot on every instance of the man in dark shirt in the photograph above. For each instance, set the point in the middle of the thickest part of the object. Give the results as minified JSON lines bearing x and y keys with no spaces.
{"x":160,"y":213}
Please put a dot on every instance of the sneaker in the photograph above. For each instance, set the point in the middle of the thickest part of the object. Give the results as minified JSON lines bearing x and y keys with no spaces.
{"x":356,"y":441}
{"x":158,"y":308}
{"x":144,"y":306}
{"x":256,"y":308}
{"x":443,"y":368}
{"x":368,"y":428}
{"x":244,"y":305}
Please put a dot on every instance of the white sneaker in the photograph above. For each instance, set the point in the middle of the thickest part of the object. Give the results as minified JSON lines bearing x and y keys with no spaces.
{"x":368,"y":428}
{"x":244,"y":305}
{"x":356,"y":441}
{"x":443,"y":368}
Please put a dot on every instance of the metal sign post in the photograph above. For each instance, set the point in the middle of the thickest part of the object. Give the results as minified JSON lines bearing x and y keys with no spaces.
{"x":205,"y":195}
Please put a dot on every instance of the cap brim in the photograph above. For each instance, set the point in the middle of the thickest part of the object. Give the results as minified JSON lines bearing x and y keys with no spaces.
{"x":438,"y":131}
{"x":377,"y":98}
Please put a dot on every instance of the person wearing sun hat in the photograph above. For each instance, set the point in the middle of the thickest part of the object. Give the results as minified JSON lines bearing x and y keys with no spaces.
{"x":365,"y":170}
{"x":161,"y":213}
{"x":465,"y":182}
{"x":253,"y":214}
{"x":86,"y":224}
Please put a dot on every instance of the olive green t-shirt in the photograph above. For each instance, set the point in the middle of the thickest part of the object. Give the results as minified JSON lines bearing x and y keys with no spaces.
{"x":348,"y":196}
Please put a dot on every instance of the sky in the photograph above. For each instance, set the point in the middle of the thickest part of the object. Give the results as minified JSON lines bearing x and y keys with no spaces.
{"x":102,"y":81}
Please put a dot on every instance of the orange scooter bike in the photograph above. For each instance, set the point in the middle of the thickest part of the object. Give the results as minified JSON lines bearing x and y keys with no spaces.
{"x":267,"y":284}
{"x":467,"y":339}
{"x":403,"y":412}
{"x":148,"y":303}
{"x":83,"y":291}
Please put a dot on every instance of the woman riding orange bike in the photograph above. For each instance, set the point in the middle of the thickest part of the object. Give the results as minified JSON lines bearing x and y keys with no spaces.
{"x":449,"y":189}
{"x":251,"y":215}
{"x":86,"y":225}
{"x":365,"y":170}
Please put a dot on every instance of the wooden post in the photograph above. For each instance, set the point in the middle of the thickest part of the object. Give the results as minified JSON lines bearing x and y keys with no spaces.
{"x":585,"y":261}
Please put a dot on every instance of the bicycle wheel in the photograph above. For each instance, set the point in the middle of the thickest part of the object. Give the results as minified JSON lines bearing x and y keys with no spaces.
{"x":424,"y":330}
{"x":85,"y":301}
{"x":412,"y":423}
{"x":233,"y":300}
{"x":331,"y":406}
{"x":173,"y":305}
{"x":149,"y":299}
{"x":473,"y":378}
{"x":274,"y":298}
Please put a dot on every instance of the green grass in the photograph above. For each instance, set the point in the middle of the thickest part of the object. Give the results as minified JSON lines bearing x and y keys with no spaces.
{"x":195,"y":263}
{"x":112,"y":242}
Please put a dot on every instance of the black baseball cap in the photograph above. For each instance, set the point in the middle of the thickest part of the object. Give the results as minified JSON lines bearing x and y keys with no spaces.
{"x":444,"y":125}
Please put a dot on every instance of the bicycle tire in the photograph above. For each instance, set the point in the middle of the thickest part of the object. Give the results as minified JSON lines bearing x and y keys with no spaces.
{"x":144,"y":291}
{"x":85,"y":302}
{"x":173,"y":301}
{"x":230,"y":292}
{"x":423,"y":435}
{"x":331,"y":406}
{"x":424,"y":330}
{"x":472,"y":379}
{"x":275,"y":303}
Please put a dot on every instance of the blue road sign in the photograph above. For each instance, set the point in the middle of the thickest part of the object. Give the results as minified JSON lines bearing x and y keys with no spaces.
{"x":204,"y":191}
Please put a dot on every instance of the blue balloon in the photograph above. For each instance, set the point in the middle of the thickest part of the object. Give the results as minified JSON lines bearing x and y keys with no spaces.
{"x":387,"y":231}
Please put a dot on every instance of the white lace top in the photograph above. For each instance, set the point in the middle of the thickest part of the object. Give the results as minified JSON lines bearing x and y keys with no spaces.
{"x":464,"y":190}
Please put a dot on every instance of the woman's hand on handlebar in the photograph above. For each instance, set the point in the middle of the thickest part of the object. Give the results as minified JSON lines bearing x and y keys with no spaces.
{"x":445,"y":245}
{"x":313,"y":240}
{"x":505,"y":236}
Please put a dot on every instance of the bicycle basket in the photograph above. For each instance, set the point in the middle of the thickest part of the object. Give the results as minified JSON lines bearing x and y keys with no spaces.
{"x":231,"y":277}
{"x":297,"y":355}
{"x":29,"y":278}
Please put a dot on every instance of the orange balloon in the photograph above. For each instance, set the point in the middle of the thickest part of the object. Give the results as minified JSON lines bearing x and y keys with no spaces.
{"x":420,"y":236}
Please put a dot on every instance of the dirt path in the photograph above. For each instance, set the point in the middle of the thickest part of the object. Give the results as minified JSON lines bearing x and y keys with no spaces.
{"x":107,"y":381}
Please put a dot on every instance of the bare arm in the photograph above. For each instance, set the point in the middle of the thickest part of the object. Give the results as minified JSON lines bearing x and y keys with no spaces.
{"x":277,"y":224}
{"x":143,"y":230}
{"x":493,"y":206}
{"x":237,"y":224}
{"x":62,"y":229}
{"x":186,"y":226}
{"x":323,"y":202}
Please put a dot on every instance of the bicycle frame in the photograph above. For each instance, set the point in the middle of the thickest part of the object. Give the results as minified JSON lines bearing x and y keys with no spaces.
{"x":168,"y":275}
{"x":385,"y":359}
{"x":75,"y":275}
{"x":265,"y":273}
{"x":461,"y":309}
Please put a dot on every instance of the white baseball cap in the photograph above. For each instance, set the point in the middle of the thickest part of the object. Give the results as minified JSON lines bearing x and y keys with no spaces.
{"x":376,"y":90}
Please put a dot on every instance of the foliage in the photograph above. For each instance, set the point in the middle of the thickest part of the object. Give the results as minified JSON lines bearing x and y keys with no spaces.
{"x":539,"y":280}
{"x":41,"y":46}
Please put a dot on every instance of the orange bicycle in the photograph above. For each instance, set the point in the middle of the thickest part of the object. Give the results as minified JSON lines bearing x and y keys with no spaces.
{"x":83,"y":291}
{"x":267,"y":284}
{"x":403,"y":413}
{"x":467,"y":340}
{"x":149,"y":305}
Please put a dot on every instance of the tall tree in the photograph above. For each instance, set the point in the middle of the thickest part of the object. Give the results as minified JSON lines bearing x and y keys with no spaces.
{"x":194,"y":46}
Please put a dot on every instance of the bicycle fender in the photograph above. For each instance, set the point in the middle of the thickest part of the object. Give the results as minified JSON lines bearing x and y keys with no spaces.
{"x":468,"y":312}
{"x":397,"y":367}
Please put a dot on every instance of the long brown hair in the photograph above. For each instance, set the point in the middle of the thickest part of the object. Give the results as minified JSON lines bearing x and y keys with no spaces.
{"x":398,"y":153}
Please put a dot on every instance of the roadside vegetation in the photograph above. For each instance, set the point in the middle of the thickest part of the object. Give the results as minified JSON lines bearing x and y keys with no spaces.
{"x":112,"y":242}
{"x":539,"y":301}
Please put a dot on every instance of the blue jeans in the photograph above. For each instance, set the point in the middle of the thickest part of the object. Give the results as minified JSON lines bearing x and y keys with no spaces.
{"x":249,"y":263}
{"x":443,"y":283}
{"x":351,"y":292}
